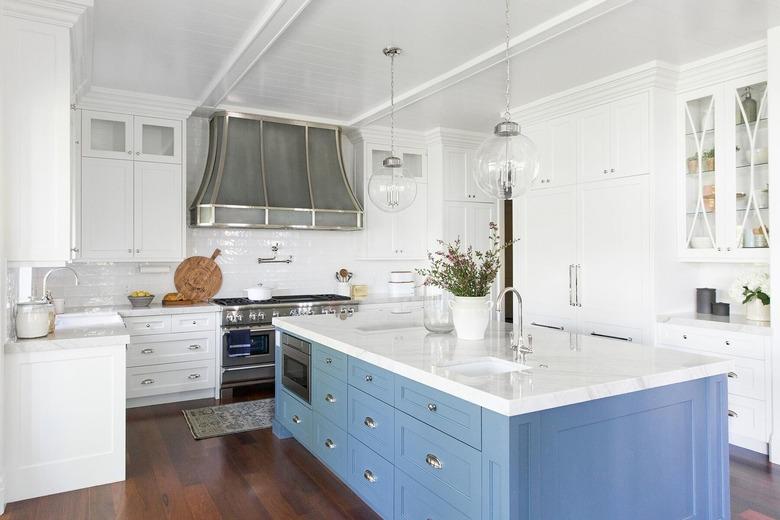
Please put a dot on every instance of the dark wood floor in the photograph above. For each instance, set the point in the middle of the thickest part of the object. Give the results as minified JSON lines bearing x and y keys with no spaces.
{"x":256,"y":476}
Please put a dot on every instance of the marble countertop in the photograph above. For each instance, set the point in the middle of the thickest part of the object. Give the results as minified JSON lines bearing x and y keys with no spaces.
{"x":725,"y":323}
{"x":564,"y":369}
{"x":155,"y":309}
{"x":373,"y":299}
{"x":83,"y":330}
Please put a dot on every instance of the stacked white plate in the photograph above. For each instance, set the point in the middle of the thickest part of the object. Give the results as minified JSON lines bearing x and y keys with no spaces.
{"x":401,"y":283}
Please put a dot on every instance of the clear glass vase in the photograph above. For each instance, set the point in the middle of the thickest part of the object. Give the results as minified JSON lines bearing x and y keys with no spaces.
{"x":437,"y":315}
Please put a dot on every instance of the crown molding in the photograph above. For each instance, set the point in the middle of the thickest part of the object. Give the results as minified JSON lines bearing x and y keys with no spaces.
{"x":381,"y":135}
{"x":741,"y":61}
{"x":654,"y":74}
{"x":114,"y":100}
{"x":454,"y":137}
{"x":64,"y":13}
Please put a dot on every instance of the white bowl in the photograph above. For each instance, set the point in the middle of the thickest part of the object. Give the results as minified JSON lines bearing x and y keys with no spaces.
{"x":701,"y":243}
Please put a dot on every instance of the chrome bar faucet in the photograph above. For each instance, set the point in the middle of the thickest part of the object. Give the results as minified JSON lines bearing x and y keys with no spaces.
{"x":519,"y":347}
{"x":46,"y":292}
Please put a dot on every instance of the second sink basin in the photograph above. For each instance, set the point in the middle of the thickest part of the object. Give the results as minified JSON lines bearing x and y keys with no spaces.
{"x":483,"y":366}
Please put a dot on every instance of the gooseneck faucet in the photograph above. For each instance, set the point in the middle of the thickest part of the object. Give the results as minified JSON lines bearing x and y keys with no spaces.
{"x":518,"y":345}
{"x":46,"y":292}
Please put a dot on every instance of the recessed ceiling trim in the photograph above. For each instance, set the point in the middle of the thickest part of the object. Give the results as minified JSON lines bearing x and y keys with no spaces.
{"x":266,"y":30}
{"x":551,"y":28}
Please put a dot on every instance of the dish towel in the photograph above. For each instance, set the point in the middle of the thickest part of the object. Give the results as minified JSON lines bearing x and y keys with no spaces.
{"x":239,"y":343}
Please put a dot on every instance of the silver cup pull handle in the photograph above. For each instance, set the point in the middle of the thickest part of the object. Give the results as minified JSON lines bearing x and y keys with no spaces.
{"x":369,"y":475}
{"x":733,"y":375}
{"x":147,"y":381}
{"x":369,"y":422}
{"x":433,"y":461}
{"x":193,"y":376}
{"x":329,"y":444}
{"x":734,"y":414}
{"x":369,"y":378}
{"x":147,"y":351}
{"x":329,"y":398}
{"x":296,"y":419}
{"x":432,"y":407}
{"x":328,"y":361}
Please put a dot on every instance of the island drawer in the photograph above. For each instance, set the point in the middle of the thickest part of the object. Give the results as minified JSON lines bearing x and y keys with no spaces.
{"x":169,"y":348}
{"x":330,"y":361}
{"x":330,"y":445}
{"x":747,"y":418}
{"x":445,"y":465}
{"x":371,"y":477}
{"x":141,"y":325}
{"x":329,"y":397}
{"x":371,"y":421}
{"x":371,"y":379}
{"x":295,"y":416}
{"x":170,"y":378}
{"x":454,"y":416}
{"x":193,"y":322}
{"x":723,"y":343}
{"x":413,"y":500}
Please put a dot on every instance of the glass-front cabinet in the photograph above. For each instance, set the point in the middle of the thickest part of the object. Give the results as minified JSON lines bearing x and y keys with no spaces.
{"x":724,"y":172}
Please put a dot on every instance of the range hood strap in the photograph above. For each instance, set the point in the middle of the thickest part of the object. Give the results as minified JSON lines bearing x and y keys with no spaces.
{"x":204,"y":183}
{"x":222,"y":155}
{"x":308,"y":171}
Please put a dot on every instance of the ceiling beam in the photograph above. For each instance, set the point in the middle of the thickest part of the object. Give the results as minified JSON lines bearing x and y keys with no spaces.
{"x":264,"y":32}
{"x":555,"y":26}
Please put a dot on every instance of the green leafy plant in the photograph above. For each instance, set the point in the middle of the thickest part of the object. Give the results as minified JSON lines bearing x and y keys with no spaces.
{"x":465,"y":273}
{"x":708,"y":154}
{"x":751,"y":285}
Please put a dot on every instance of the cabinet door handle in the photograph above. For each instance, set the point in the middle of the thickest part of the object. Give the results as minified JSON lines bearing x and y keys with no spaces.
{"x":432,"y":407}
{"x":329,"y":398}
{"x":369,"y":422}
{"x":546,"y":326}
{"x":369,"y":378}
{"x":733,"y":375}
{"x":612,"y":170}
{"x":329,"y":444}
{"x":147,"y":351}
{"x":328,"y":361}
{"x":577,"y":273}
{"x":369,"y":475}
{"x":193,"y":376}
{"x":296,"y":419}
{"x":148,"y":325}
{"x":138,"y":153}
{"x":433,"y":461}
{"x":74,"y":249}
{"x":129,"y":152}
{"x":571,"y":285}
{"x":734,"y":414}
{"x":609,"y":336}
{"x":147,"y":381}
{"x":194,"y":347}
{"x":728,"y":343}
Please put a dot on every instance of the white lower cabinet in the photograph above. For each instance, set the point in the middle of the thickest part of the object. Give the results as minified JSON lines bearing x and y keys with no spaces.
{"x":64,"y":419}
{"x":172,"y":357}
{"x":749,"y":406}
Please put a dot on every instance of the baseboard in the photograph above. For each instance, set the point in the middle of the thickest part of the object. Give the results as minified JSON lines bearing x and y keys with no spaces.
{"x":749,"y":444}
{"x":205,"y":393}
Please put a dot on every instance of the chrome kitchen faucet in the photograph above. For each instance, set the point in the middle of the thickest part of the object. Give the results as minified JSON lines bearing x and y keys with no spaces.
{"x":520,"y":349}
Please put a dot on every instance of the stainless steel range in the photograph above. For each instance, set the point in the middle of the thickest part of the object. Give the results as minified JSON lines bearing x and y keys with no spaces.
{"x":248,"y":338}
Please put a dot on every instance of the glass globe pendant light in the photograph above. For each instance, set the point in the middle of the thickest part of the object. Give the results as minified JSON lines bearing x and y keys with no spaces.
{"x":507,"y":161}
{"x":388,"y":189}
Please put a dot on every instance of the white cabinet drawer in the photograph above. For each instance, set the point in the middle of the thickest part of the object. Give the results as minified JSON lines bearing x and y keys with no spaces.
{"x":747,"y":418}
{"x":748,"y":379}
{"x":193,"y":322}
{"x":138,"y":326}
{"x":723,"y":343}
{"x":169,"y":378}
{"x":169,"y":348}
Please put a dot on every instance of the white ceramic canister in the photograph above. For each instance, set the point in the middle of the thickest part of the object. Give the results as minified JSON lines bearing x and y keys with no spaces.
{"x":33,"y":319}
{"x":401,"y":277}
{"x":258,"y":293}
{"x":471,"y":315}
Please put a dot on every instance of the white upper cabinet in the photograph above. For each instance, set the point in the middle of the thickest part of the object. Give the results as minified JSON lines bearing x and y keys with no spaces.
{"x":557,"y":144}
{"x":158,"y":213}
{"x":109,"y":135}
{"x":157,"y":140}
{"x":594,"y":143}
{"x":459,"y":184}
{"x":470,"y":223}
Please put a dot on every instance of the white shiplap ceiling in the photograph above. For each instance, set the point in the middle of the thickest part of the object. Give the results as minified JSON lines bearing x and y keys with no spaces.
{"x":321,"y":59}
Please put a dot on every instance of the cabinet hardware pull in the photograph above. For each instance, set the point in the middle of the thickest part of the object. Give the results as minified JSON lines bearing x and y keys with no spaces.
{"x":733,"y":375}
{"x":577,"y":273}
{"x":431,"y":407}
{"x":329,"y":444}
{"x":147,"y":381}
{"x":369,"y":475}
{"x":329,"y":398}
{"x":328,"y":361}
{"x":137,"y":250}
{"x":612,"y":170}
{"x":433,"y":461}
{"x":546,"y":326}
{"x":571,"y":285}
{"x":728,"y":343}
{"x":138,"y":153}
{"x":734,"y":414}
{"x":74,"y":249}
{"x":605,"y":171}
{"x":129,"y":152}
{"x":609,"y":336}
{"x":296,"y":419}
{"x":194,"y":347}
{"x":194,"y":322}
{"x":193,"y":376}
{"x":369,"y":422}
{"x":685,"y":336}
{"x":369,"y":378}
{"x":148,"y":325}
{"x":147,"y":351}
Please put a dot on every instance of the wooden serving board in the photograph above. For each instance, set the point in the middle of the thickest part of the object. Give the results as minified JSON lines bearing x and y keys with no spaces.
{"x":198,"y":278}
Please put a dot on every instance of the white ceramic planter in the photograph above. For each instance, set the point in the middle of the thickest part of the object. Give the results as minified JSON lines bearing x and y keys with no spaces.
{"x":757,"y":311}
{"x":471,"y":316}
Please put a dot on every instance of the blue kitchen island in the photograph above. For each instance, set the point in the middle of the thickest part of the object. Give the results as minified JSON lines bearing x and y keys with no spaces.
{"x":425,"y":426}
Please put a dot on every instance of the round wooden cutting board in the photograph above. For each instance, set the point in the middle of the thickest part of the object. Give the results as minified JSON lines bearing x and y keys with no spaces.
{"x":198,"y":278}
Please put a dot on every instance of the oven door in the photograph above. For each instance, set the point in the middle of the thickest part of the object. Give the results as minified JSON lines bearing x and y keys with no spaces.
{"x":260,"y":351}
{"x":296,"y":372}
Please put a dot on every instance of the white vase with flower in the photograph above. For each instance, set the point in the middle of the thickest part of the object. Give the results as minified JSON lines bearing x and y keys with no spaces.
{"x":752,"y":289}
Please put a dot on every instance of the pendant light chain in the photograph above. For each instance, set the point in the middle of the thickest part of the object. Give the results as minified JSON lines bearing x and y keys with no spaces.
{"x":507,"y":115}
{"x":392,"y":104}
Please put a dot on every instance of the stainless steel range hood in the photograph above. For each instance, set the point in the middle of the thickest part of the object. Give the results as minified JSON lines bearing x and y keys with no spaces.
{"x":264,"y":172}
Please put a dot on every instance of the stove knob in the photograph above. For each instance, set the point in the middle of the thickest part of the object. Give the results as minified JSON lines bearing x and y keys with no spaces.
{"x":275,"y":314}
{"x":293,"y":312}
{"x":252,"y":316}
{"x":351,"y":311}
{"x":261,"y":316}
{"x":239,"y":317}
{"x":231,"y":318}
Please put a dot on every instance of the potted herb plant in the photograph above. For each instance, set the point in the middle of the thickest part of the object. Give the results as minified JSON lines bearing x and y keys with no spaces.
{"x":752,"y":289}
{"x":693,"y":163}
{"x":467,"y":274}
{"x":708,"y":160}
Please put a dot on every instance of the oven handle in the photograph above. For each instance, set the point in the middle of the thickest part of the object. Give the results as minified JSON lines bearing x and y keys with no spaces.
{"x":247,"y":367}
{"x":268,"y":328}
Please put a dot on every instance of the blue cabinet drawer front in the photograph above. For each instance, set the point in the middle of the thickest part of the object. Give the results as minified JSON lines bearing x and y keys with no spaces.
{"x":413,"y":501}
{"x":448,"y":467}
{"x":371,"y":421}
{"x":330,"y":361}
{"x":459,"y":418}
{"x":371,"y":379}
{"x":296,"y":417}
{"x":330,"y":445}
{"x":329,"y":397}
{"x":371,"y":477}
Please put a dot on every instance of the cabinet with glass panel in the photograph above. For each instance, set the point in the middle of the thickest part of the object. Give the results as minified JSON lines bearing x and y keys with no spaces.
{"x":724,"y":172}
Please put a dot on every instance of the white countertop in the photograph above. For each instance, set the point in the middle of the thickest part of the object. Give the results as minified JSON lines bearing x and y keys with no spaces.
{"x":377,"y":299}
{"x":86,"y":330}
{"x":565,"y":368}
{"x":723,"y":323}
{"x":155,"y":309}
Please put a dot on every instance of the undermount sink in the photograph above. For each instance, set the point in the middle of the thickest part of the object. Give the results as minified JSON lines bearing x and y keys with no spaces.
{"x":86,"y":320}
{"x":484,"y":366}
